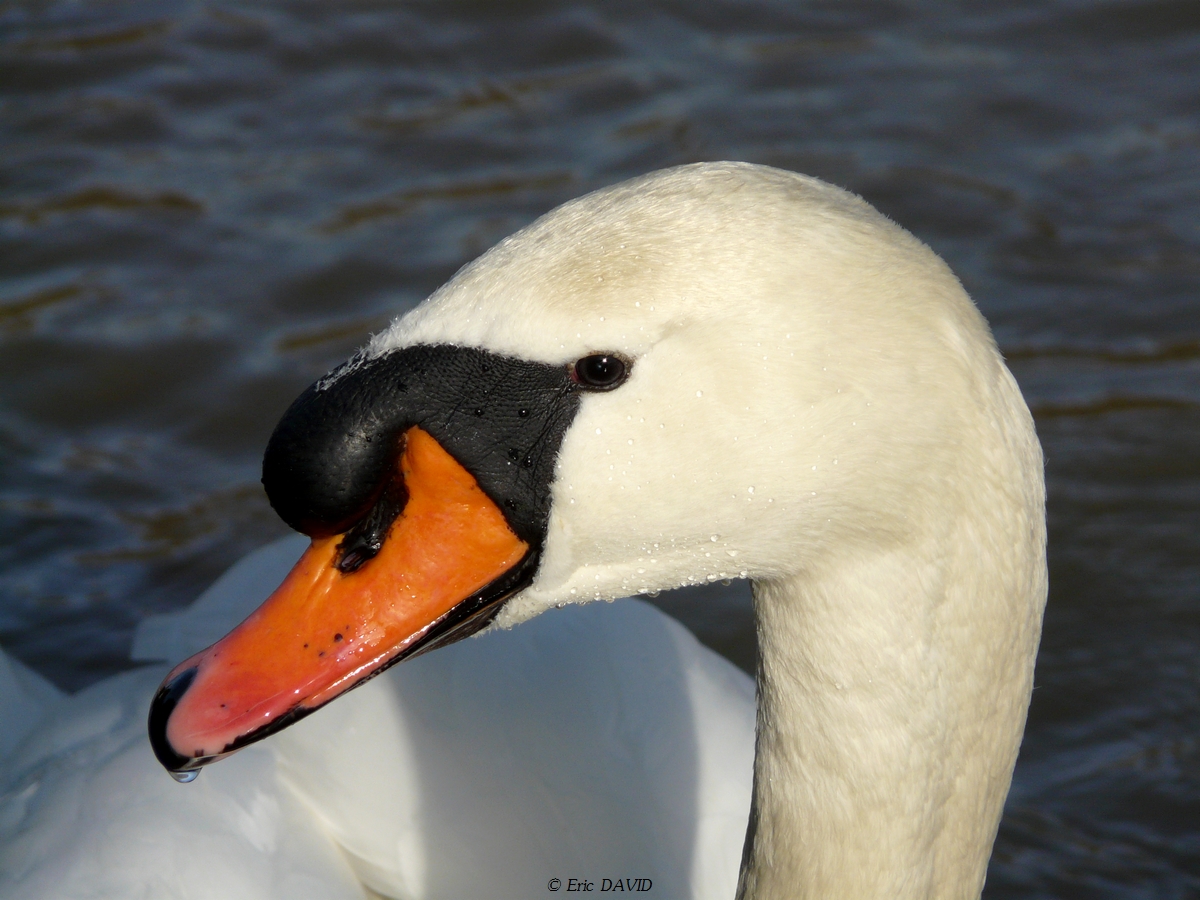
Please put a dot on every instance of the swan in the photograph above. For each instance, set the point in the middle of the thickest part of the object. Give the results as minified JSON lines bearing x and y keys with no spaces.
{"x":714,"y":371}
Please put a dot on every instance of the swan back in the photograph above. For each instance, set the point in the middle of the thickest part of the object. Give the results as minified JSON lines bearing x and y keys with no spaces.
{"x":594,"y":743}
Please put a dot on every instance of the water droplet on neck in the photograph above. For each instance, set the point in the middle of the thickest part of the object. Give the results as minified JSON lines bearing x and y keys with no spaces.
{"x":186,"y":777}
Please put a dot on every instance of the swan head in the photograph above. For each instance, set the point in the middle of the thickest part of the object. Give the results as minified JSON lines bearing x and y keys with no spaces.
{"x":803,"y":375}
{"x":715,"y":371}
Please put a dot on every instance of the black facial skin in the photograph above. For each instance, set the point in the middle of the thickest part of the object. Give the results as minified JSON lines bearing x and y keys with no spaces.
{"x":334,"y":453}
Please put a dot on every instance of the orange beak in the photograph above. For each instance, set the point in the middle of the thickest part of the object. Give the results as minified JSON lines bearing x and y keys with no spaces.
{"x":323,"y":631}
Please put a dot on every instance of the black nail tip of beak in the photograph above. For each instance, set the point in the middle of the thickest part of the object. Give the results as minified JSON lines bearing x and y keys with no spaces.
{"x":161,"y":707}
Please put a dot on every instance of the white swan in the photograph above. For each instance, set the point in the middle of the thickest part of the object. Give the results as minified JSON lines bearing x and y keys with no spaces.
{"x":784,"y":386}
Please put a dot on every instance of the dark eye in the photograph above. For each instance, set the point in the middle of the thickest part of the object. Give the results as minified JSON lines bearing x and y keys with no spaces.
{"x":601,"y":372}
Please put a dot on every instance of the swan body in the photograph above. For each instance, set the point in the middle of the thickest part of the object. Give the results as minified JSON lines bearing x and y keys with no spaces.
{"x":599,"y":742}
{"x":812,"y":402}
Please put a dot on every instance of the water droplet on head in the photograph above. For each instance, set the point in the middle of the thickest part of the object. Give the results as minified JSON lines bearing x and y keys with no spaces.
{"x":186,"y":777}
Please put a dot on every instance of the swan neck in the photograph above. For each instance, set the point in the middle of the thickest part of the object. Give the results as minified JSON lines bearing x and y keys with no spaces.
{"x":892,"y":699}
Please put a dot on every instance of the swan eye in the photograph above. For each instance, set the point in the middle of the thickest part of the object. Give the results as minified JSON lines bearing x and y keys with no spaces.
{"x":600,"y":372}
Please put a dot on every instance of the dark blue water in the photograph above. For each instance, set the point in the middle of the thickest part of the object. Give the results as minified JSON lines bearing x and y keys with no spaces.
{"x":203,"y":206}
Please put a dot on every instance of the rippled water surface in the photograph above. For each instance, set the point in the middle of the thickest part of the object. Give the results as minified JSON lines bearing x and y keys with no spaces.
{"x":203,"y":206}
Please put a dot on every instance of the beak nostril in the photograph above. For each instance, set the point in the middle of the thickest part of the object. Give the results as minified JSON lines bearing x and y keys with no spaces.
{"x":353,"y":559}
{"x":364,"y":541}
